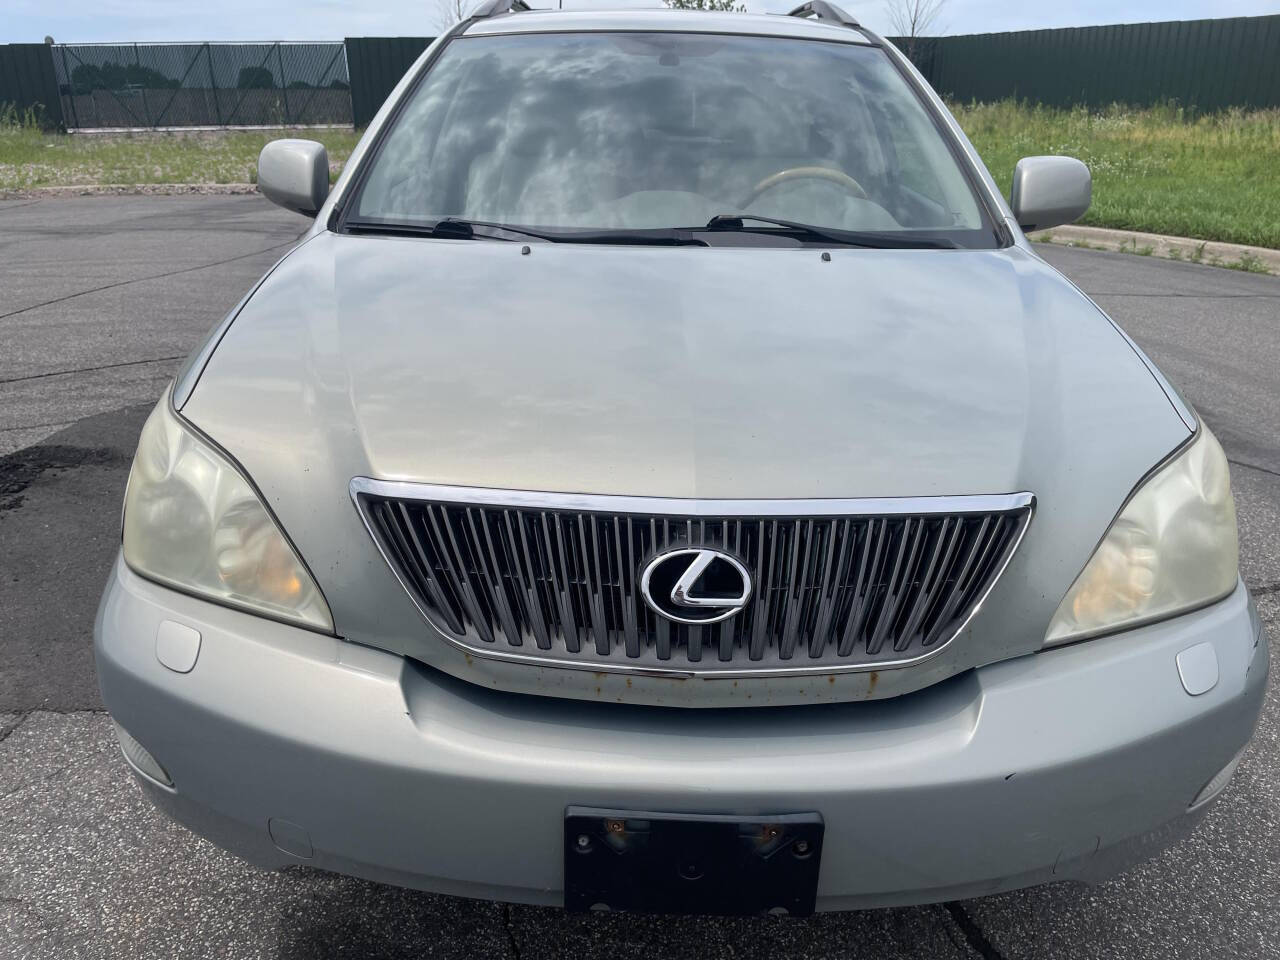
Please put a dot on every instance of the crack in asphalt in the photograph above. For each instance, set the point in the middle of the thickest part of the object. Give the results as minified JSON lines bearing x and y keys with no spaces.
{"x":156,"y":276}
{"x":37,"y":426}
{"x":5,"y":731}
{"x":1253,"y":466}
{"x":511,"y":933}
{"x":104,"y":366}
{"x":39,"y":780}
{"x":18,"y":206}
{"x":1194,"y":296}
{"x":973,"y":934}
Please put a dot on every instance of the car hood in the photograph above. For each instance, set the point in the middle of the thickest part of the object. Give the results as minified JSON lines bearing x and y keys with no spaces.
{"x":679,"y":372}
{"x":687,"y":372}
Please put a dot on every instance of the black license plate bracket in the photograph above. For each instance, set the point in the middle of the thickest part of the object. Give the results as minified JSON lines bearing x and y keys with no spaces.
{"x":676,"y":863}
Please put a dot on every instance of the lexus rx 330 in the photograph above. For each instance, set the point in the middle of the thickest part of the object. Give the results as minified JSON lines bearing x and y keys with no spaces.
{"x":665,"y":478}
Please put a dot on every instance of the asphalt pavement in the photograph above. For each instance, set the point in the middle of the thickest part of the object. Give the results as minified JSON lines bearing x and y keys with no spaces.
{"x":101,"y":297}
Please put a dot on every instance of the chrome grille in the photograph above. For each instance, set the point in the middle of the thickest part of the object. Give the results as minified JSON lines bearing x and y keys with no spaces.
{"x":838,"y":585}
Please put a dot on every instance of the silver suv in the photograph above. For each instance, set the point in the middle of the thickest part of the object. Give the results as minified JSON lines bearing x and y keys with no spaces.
{"x":665,"y":478}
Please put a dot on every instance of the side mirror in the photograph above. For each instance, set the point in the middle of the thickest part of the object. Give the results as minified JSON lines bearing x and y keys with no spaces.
{"x":294,"y":174}
{"x":1050,"y":191}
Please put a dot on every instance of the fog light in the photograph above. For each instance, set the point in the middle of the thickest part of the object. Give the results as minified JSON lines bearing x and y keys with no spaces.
{"x":1217,"y":784}
{"x":140,"y":759}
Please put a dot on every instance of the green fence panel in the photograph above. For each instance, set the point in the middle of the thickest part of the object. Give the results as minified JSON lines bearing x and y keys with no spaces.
{"x":1201,"y":64}
{"x":28,"y":81}
{"x":376,"y":65}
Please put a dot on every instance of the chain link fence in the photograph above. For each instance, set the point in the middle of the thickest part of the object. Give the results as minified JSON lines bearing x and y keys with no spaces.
{"x":186,"y":85}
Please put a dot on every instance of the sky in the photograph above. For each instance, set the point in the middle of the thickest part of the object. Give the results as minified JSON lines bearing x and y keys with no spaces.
{"x":87,"y":21}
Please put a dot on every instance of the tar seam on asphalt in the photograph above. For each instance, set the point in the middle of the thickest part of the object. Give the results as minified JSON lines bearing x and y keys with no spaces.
{"x":105,"y":366}
{"x":5,"y":731}
{"x":1253,"y":466}
{"x":19,"y":206}
{"x":36,"y":426}
{"x":1194,"y":296}
{"x":973,"y":934}
{"x":158,"y":276}
{"x":511,"y":934}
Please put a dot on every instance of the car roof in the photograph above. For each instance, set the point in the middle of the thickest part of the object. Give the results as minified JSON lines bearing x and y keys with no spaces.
{"x":664,"y":20}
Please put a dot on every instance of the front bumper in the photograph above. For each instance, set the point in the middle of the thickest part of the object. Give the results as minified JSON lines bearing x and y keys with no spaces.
{"x":288,"y":747}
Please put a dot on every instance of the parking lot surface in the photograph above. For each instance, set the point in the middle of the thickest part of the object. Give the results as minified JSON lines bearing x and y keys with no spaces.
{"x":100,"y":298}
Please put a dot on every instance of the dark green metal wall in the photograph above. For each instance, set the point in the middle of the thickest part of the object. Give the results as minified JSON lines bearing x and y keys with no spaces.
{"x":1204,"y":65}
{"x":376,"y":65}
{"x":27,"y":81}
{"x":1201,"y":64}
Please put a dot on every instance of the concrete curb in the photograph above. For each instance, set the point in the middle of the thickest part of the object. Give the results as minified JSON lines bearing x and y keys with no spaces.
{"x":1212,"y":253}
{"x":125,"y":189}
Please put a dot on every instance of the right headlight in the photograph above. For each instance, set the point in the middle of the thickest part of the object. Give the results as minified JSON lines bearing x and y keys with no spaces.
{"x":1172,"y":548}
{"x":193,"y":521}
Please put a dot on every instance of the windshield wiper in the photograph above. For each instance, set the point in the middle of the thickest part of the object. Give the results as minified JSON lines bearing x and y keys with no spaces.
{"x":458,"y":228}
{"x":847,"y":238}
{"x":453,"y":228}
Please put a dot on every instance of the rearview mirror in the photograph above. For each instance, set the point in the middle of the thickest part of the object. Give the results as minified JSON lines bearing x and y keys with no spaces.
{"x":1050,"y":191}
{"x":294,"y":174}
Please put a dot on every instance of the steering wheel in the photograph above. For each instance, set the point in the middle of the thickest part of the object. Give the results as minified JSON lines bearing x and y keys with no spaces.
{"x":805,"y":173}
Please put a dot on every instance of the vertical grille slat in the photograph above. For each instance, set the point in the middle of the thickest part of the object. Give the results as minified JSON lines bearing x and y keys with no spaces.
{"x":456,"y":567}
{"x":626,"y":585}
{"x":864,"y":587}
{"x":797,"y":565}
{"x":564,"y":589}
{"x":833,"y":576}
{"x":956,"y":595}
{"x":557,"y":582}
{"x":594,"y":586}
{"x":492,"y":577}
{"x":944,"y":543}
{"x":540,"y":611}
{"x":423,"y":571}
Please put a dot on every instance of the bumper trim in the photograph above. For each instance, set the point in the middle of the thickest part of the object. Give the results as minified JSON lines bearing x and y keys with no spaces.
{"x":1001,"y":777}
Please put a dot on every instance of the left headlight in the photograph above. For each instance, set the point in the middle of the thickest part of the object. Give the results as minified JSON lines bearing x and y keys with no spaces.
{"x":191,"y":520}
{"x":1173,"y":548}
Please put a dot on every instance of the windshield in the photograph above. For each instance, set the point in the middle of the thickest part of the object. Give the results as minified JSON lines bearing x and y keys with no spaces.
{"x":649,"y":132}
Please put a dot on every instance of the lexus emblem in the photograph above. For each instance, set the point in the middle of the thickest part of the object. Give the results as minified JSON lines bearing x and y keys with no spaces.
{"x":695,"y":585}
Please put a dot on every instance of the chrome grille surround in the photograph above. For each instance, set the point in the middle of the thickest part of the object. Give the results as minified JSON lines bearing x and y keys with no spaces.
{"x":841,"y":585}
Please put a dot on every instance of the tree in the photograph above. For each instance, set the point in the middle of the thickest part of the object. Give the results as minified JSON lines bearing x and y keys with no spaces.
{"x":87,"y":77}
{"x":255,"y":78}
{"x":449,"y":12}
{"x":715,"y":6}
{"x":913,"y":19}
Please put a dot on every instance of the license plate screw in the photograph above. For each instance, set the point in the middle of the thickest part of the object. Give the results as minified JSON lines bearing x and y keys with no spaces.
{"x":802,"y":847}
{"x":583,"y":841}
{"x":614,"y":826}
{"x":771,"y":833}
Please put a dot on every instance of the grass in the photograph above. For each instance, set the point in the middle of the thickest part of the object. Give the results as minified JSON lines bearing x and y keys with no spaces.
{"x":1156,"y":170}
{"x":31,"y":158}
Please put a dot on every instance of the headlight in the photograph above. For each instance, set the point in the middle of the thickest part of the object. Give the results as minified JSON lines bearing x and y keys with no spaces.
{"x":1173,"y":548}
{"x":192,"y":521}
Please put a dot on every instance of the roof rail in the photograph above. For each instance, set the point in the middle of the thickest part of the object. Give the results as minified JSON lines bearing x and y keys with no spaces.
{"x":822,"y":10}
{"x":491,"y":8}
